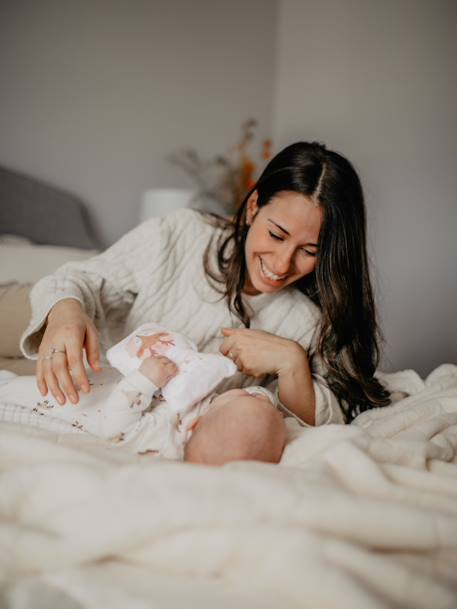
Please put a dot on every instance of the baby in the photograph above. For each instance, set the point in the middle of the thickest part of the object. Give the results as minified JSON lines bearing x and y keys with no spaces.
{"x":226,"y":427}
{"x":192,"y":422}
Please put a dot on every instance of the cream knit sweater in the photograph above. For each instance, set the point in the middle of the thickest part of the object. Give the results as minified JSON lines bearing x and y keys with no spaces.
{"x":155,"y":273}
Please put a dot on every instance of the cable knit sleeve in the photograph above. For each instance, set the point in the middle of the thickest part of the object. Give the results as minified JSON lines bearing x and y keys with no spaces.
{"x":105,"y":285}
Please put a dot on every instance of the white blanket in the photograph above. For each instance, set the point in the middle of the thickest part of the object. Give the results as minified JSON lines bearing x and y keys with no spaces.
{"x":360,"y":516}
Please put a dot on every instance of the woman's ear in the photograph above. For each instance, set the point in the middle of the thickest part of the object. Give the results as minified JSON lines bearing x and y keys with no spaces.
{"x":251,"y":207}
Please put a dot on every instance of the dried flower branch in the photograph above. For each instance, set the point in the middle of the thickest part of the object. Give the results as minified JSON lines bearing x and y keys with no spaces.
{"x":226,"y":178}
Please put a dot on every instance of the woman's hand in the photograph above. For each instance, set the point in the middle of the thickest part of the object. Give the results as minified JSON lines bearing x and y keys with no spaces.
{"x":257,"y":353}
{"x":60,"y":367}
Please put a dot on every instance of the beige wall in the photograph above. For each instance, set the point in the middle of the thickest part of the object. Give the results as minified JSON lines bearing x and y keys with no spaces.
{"x":378,"y":82}
{"x":97,"y":93}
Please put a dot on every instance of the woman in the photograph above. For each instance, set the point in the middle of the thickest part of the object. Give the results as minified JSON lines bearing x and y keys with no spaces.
{"x":296,"y":245}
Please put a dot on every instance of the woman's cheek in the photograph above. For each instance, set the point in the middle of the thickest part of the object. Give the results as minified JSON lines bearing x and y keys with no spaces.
{"x":307,"y":267}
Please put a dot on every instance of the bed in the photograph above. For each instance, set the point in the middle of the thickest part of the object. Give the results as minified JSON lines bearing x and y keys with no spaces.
{"x":357,"y":516}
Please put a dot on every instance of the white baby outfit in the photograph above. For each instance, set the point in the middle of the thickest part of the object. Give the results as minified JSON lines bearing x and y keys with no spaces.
{"x":198,"y":373}
{"x":123,"y":411}
{"x":131,"y":409}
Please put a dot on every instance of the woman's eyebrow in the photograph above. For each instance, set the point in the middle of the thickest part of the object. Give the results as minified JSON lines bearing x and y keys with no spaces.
{"x":279,"y":226}
{"x":287,"y":232}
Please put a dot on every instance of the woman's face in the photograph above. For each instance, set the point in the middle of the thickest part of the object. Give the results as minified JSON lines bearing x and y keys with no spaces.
{"x":282,"y":241}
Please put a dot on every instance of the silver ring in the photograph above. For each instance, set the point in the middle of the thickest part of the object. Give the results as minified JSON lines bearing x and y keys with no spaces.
{"x":54,"y":350}
{"x":52,"y":353}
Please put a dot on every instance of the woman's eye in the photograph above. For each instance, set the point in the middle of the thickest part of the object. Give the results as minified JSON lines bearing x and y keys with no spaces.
{"x":308,"y":253}
{"x":277,"y":237}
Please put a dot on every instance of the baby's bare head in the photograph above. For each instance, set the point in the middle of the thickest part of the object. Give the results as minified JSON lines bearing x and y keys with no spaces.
{"x":237,"y":427}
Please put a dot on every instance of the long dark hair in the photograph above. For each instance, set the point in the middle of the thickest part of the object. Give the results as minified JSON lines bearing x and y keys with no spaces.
{"x":348,"y":338}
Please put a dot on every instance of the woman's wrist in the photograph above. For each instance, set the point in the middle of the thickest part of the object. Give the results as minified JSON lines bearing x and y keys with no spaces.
{"x":294,"y":360}
{"x":65,"y":306}
{"x":295,"y":385}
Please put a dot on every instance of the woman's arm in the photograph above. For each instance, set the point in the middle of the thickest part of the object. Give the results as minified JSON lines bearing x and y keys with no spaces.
{"x":101,"y":292}
{"x":296,"y":387}
{"x":65,"y":304}
{"x":259,"y":353}
{"x":106,"y":284}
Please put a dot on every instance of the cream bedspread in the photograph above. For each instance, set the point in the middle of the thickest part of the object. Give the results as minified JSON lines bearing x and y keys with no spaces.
{"x":360,"y":516}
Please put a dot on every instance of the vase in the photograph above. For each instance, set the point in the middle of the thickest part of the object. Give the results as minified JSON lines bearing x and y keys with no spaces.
{"x":162,"y":201}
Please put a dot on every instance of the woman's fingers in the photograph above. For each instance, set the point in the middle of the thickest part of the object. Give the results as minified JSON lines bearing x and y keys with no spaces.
{"x":226,"y":346}
{"x":229,"y":331}
{"x":92,"y":347}
{"x":61,"y":374}
{"x":256,"y":352}
{"x":60,"y":366}
{"x":51,"y":382}
{"x":41,"y":383}
{"x":229,"y":349}
{"x":76,"y":365}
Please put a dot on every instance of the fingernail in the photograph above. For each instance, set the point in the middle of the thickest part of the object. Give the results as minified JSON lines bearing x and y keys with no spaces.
{"x":61,"y":401}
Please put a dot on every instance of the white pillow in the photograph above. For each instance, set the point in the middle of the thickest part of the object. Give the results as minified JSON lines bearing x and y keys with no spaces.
{"x":7,"y":239}
{"x":199,"y":373}
{"x":24,"y":262}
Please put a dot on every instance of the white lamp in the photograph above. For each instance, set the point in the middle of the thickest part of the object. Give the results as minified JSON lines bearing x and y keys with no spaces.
{"x":162,"y":201}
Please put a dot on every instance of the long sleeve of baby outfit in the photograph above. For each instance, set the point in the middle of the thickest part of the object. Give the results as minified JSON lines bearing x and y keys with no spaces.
{"x":108,"y":410}
{"x":123,"y":406}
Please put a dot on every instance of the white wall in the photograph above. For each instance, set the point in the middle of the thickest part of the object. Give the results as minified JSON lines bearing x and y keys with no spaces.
{"x":97,"y":93}
{"x":377,"y":81}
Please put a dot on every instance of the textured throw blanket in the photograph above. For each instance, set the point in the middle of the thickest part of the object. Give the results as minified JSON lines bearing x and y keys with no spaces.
{"x":360,"y":516}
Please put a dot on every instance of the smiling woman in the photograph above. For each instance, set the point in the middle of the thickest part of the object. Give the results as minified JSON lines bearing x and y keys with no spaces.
{"x":303,"y":225}
{"x":282,"y":242}
{"x":285,"y":282}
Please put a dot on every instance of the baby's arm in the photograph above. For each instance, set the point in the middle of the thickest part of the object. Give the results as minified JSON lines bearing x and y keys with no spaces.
{"x":132,"y":395}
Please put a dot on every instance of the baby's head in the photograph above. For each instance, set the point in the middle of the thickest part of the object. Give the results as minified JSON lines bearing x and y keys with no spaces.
{"x":238,"y":426}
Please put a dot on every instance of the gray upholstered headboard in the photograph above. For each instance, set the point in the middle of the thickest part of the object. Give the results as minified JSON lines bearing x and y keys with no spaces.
{"x":43,"y":213}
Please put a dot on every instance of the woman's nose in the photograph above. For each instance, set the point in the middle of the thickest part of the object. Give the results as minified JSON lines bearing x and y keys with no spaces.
{"x":283,"y":260}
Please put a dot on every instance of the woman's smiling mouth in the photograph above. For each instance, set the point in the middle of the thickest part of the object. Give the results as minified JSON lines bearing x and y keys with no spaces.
{"x":269,"y":274}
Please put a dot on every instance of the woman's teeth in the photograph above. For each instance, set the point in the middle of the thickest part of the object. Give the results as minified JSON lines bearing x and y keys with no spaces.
{"x":269,"y":274}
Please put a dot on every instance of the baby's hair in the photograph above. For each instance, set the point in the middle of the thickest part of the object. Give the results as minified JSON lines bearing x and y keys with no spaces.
{"x":237,"y":432}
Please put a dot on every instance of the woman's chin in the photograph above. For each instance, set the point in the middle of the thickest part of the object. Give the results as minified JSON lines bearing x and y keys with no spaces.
{"x":258,"y":283}
{"x":263,"y":285}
